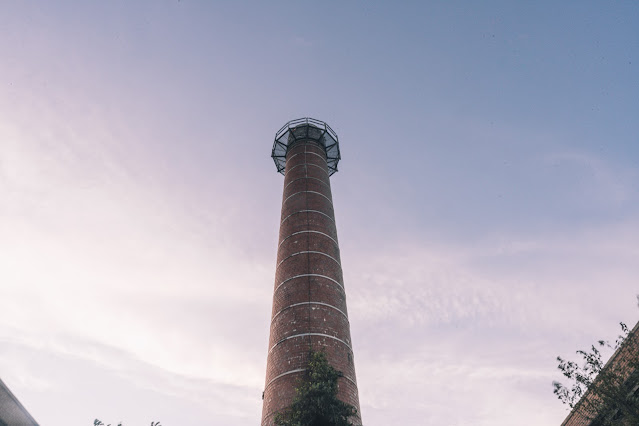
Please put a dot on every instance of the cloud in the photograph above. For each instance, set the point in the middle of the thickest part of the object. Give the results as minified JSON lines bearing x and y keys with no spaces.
{"x":299,"y":41}
{"x":598,"y":179}
{"x":438,"y":378}
{"x":109,"y":261}
{"x":480,"y":325}
{"x":107,"y":383}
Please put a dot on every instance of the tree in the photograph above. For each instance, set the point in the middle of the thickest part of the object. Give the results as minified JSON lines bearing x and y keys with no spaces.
{"x":97,"y":422}
{"x":604,"y":394}
{"x":316,"y":403}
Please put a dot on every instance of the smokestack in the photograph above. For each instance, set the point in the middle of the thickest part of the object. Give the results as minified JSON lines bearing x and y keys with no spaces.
{"x":309,"y":300}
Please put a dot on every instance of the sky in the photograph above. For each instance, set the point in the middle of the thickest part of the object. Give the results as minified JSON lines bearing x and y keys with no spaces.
{"x":487,"y":201}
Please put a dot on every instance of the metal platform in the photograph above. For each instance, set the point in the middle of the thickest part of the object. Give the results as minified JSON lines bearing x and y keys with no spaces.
{"x":306,"y":129}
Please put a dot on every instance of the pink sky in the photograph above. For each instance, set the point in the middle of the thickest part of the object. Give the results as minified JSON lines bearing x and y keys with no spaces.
{"x":487,"y":201}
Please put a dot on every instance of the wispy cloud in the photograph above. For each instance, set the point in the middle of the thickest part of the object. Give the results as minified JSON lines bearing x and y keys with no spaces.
{"x":597,"y":178}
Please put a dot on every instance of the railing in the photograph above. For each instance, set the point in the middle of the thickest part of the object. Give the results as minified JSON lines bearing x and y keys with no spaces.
{"x":306,"y":120}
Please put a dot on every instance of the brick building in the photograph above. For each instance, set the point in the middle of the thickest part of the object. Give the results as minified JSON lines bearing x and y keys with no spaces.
{"x":624,"y":363}
{"x":309,"y":301}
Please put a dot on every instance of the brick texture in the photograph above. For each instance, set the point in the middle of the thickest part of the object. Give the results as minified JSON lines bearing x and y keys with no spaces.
{"x":309,"y":302}
{"x":625,"y":359}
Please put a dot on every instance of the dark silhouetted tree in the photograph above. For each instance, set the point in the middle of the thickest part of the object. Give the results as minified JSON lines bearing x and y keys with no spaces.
{"x":316,"y":403}
{"x":97,"y":422}
{"x":603,"y":396}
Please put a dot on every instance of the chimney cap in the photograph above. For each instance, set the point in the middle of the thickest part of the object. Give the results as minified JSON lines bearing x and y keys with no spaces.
{"x":306,"y":129}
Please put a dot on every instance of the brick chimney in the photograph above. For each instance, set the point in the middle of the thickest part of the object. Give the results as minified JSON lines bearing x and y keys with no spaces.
{"x":309,"y":300}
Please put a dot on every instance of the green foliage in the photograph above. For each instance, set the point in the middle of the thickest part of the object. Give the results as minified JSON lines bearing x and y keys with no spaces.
{"x":316,"y":402}
{"x":604,"y":396}
{"x":97,"y":422}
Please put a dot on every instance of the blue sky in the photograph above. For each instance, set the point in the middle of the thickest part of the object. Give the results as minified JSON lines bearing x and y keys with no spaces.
{"x":487,"y":200}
